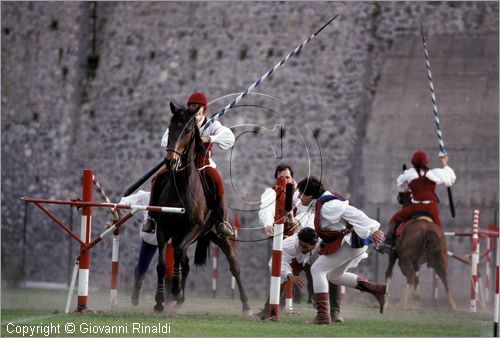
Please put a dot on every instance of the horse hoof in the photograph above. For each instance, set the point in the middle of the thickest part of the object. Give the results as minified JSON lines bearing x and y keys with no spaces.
{"x":158,"y":308}
{"x":248,"y":313}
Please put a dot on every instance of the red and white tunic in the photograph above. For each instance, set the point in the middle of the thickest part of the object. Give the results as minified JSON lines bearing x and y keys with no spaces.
{"x":422,"y":186}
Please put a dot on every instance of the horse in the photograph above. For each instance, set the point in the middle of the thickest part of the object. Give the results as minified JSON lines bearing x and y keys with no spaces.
{"x":421,"y":241}
{"x":182,"y":186}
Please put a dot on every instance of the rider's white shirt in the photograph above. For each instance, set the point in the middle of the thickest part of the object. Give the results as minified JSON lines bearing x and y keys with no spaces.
{"x":335,"y":215}
{"x":445,"y":175}
{"x":220,"y":135}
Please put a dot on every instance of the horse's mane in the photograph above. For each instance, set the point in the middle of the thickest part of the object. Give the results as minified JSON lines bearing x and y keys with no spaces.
{"x":181,"y":119}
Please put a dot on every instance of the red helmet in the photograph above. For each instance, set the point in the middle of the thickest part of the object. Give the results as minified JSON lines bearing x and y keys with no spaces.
{"x":420,"y":158}
{"x":198,"y":98}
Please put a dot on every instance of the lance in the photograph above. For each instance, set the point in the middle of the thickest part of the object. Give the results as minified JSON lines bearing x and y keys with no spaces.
{"x":442,"y":151}
{"x":233,"y":103}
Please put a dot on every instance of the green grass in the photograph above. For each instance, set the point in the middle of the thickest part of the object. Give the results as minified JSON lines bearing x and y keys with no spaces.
{"x":206,"y":317}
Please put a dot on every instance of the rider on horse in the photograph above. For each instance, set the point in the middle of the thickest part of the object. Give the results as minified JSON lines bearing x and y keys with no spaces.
{"x":217,"y":134}
{"x":421,"y":182}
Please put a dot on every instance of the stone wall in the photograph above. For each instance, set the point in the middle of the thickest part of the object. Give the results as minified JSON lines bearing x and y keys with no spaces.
{"x":87,"y":85}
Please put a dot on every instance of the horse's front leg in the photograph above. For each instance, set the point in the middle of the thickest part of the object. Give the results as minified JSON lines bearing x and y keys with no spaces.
{"x":231,"y":256}
{"x":160,"y":270}
{"x":388,"y":273}
{"x":180,"y":254}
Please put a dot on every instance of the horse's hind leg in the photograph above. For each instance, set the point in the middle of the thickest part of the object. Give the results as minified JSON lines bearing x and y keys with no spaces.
{"x":407,"y":270}
{"x":440,"y":270}
{"x":230,"y":253}
{"x":416,"y":284}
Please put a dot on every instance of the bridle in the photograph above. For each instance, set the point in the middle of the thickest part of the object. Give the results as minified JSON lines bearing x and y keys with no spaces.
{"x":175,"y":164}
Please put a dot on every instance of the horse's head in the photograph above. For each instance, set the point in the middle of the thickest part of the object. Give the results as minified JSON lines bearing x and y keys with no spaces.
{"x":183,"y":135}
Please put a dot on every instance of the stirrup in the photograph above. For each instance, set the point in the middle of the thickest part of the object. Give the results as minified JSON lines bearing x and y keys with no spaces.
{"x":225,"y":229}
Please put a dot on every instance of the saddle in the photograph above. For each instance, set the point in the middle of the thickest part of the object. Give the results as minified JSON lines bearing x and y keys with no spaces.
{"x":421,"y":215}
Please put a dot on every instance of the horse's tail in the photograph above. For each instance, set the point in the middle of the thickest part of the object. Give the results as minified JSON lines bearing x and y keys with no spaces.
{"x":201,"y":252}
{"x":435,"y":246}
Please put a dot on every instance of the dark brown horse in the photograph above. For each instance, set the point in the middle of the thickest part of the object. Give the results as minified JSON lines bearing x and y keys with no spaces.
{"x":183,"y":187}
{"x":421,"y":241}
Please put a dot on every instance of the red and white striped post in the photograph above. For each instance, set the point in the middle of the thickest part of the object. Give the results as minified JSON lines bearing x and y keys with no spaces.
{"x":86,"y":226}
{"x":115,"y":253}
{"x":474,"y":262}
{"x":496,"y":313}
{"x":215,"y":256}
{"x":279,"y":226}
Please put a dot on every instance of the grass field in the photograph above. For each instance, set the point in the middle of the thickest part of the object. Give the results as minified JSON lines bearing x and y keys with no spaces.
{"x":39,"y":310}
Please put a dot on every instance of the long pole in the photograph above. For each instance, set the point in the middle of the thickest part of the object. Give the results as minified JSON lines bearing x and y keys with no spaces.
{"x":220,"y":113}
{"x":442,"y":151}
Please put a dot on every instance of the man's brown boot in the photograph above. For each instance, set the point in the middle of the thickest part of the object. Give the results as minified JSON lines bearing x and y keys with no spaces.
{"x":322,"y":303}
{"x":377,"y":290}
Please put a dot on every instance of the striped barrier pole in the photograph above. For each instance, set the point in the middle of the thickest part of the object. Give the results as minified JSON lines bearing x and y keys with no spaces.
{"x":496,"y":312}
{"x":72,"y":286}
{"x":474,"y":262}
{"x":233,"y":103}
{"x":85,"y":235}
{"x":113,"y":295}
{"x":215,"y":256}
{"x":135,"y":207}
{"x":279,"y":218}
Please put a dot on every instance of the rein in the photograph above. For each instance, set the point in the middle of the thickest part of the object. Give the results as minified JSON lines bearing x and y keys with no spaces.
{"x":182,"y":155}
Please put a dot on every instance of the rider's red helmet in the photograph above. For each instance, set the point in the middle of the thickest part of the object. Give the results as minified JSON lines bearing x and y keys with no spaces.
{"x":198,"y":98}
{"x":420,"y":158}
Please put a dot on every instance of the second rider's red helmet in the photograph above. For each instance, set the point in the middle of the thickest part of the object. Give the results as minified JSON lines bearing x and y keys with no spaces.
{"x":420,"y":158}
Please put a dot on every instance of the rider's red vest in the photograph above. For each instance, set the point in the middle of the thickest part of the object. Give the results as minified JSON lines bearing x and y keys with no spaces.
{"x":423,"y":189}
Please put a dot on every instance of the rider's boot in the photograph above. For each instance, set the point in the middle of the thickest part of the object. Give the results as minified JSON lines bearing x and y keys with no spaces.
{"x":149,"y":225}
{"x":387,"y":246}
{"x":223,"y":227}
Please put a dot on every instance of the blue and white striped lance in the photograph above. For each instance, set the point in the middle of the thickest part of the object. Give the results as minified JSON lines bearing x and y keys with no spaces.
{"x":442,"y":151}
{"x":221,"y":112}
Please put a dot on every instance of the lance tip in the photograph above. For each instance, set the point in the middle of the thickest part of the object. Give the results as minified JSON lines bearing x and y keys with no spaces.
{"x":326,"y":24}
